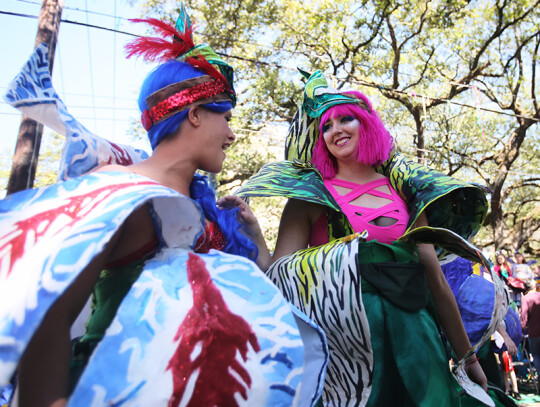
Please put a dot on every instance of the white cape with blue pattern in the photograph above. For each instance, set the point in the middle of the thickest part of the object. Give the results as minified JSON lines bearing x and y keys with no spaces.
{"x":49,"y":235}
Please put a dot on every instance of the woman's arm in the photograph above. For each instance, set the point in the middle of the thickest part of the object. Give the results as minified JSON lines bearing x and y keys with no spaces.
{"x":510,"y":345}
{"x":294,"y":227}
{"x":44,"y":368}
{"x":447,"y":310}
{"x":524,"y":313}
{"x":43,"y":374}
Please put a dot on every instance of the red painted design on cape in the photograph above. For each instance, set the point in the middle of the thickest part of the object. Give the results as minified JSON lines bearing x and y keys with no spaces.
{"x":119,"y":155}
{"x":39,"y":224}
{"x":220,"y":335}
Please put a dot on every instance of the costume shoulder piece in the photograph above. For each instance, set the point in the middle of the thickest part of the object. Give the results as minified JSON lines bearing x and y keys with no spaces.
{"x":298,"y":180}
{"x":205,"y":327}
{"x":448,"y":202}
{"x":187,"y":321}
{"x":291,"y":179}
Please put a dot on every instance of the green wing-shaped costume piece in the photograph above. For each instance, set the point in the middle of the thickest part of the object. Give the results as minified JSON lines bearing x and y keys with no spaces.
{"x":297,"y":180}
{"x":289,"y":179}
{"x":448,"y":202}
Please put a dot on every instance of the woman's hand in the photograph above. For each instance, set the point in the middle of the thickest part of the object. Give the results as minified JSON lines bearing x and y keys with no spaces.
{"x":476,"y":374}
{"x":510,"y":345}
{"x":251,"y":225}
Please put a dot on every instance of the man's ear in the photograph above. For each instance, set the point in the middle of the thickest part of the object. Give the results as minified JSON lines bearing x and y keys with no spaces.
{"x":194,"y":116}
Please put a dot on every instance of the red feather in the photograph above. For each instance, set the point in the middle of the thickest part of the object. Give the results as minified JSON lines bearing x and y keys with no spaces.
{"x":161,"y":49}
{"x":202,"y":64}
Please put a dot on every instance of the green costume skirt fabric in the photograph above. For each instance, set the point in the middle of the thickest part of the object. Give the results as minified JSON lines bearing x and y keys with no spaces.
{"x":409,"y":360}
{"x":410,"y":367}
{"x":410,"y":363}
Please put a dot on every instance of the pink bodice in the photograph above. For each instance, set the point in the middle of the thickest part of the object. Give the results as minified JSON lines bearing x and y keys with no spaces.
{"x":361,"y":217}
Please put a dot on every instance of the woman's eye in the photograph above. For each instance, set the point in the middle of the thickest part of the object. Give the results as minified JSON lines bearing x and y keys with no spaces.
{"x":325,"y":128}
{"x":347,"y":119}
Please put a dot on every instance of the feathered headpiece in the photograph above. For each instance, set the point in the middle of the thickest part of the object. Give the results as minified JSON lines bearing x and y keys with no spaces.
{"x":176,"y":42}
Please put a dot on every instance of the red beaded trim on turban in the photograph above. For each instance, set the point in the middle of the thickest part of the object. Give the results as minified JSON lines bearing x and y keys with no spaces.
{"x":180,"y":96}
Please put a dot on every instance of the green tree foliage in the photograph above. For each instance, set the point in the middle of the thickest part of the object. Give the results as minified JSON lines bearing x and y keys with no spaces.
{"x":49,"y":159}
{"x":455,"y":81}
{"x":245,"y":157}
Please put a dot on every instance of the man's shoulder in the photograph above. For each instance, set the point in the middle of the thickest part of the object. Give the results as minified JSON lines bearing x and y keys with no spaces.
{"x":533,"y":296}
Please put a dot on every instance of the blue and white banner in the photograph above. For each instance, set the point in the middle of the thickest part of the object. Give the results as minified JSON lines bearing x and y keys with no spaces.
{"x":33,"y":94}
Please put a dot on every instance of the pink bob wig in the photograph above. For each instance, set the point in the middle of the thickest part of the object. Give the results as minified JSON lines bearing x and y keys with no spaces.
{"x":374,"y":143}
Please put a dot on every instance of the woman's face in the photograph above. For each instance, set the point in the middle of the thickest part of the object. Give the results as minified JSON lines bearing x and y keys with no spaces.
{"x":500,"y":259}
{"x":341,"y":135}
{"x":536,"y":270}
{"x":216,"y":137}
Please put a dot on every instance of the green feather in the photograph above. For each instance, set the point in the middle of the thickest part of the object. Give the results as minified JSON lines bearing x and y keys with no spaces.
{"x":183,"y":22}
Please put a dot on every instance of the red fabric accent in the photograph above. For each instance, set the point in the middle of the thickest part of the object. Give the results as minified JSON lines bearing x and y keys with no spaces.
{"x":160,"y":49}
{"x":180,"y":100}
{"x":516,"y":283}
{"x":138,"y":254}
{"x":507,"y":362}
{"x":319,"y":231}
{"x":146,"y":120}
{"x":121,"y":156}
{"x":212,"y":238}
{"x":220,"y":335}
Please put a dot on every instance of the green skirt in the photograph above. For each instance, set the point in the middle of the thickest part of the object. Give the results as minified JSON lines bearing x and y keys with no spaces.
{"x":410,"y":362}
{"x":410,"y":367}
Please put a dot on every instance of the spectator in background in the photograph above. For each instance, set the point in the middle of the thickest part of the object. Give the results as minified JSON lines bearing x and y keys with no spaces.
{"x":522,"y":271}
{"x":530,"y":321}
{"x":502,"y":267}
{"x":506,"y":350}
{"x":536,"y":271}
{"x":504,"y":270}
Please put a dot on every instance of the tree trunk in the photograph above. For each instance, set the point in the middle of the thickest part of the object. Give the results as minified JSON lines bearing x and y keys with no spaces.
{"x":26,"y":155}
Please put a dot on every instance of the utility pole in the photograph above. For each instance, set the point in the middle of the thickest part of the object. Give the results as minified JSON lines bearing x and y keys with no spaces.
{"x":23,"y":169}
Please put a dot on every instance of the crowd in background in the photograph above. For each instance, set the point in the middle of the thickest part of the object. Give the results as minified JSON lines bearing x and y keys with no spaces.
{"x":522,"y":280}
